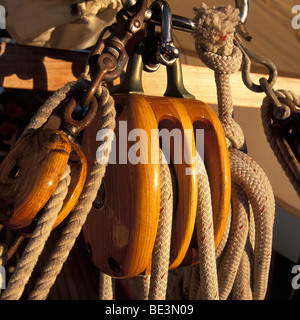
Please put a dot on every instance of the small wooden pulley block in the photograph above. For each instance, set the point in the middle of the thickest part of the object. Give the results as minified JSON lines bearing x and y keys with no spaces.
{"x":30,"y":174}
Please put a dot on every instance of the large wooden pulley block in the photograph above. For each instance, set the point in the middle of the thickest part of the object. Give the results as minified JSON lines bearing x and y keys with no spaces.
{"x":121,"y":234}
{"x":121,"y":228}
{"x":31,"y":172}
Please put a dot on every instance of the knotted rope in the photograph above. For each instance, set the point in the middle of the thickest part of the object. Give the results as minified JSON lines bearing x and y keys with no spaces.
{"x":79,"y":214}
{"x":214,"y":45}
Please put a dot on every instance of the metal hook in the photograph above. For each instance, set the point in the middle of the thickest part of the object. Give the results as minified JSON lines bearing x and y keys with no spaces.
{"x":72,"y":127}
{"x":243,"y":6}
{"x":246,"y":66}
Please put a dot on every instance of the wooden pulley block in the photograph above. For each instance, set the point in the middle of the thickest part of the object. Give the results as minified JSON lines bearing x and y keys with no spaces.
{"x":31,"y":172}
{"x":121,"y":228}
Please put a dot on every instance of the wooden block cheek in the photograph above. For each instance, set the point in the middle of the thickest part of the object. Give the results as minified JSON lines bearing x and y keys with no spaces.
{"x":42,"y":158}
{"x":121,"y":234}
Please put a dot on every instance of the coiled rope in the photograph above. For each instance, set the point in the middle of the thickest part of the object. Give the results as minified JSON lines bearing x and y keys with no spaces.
{"x":286,"y":164}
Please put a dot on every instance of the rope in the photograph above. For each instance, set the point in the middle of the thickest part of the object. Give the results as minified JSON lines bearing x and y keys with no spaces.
{"x":161,"y":250}
{"x":266,"y":110}
{"x":79,"y":214}
{"x":242,"y":285}
{"x":252,"y":179}
{"x":250,"y":184}
{"x":106,"y":287}
{"x":236,"y":242}
{"x":37,"y":241}
{"x":143,"y":283}
{"x":208,"y":289}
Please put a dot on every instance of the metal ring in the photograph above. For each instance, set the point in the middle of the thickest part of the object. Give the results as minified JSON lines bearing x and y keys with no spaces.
{"x":73,"y":127}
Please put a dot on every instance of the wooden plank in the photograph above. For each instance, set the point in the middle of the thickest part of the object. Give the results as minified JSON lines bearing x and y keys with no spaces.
{"x":28,"y":67}
{"x":200,"y":82}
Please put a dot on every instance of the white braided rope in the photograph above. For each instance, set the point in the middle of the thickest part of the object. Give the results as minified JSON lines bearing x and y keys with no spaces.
{"x":259,"y":192}
{"x":37,"y":241}
{"x":235,"y":244}
{"x":242,"y":285}
{"x":106,"y":287}
{"x":249,"y":181}
{"x":161,"y":250}
{"x":143,"y":283}
{"x":208,"y":289}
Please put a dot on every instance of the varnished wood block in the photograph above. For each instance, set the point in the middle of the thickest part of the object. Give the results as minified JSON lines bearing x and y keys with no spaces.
{"x":29,"y":175}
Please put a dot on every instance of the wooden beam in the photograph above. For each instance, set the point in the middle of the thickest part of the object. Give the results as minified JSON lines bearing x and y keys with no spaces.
{"x":28,"y":67}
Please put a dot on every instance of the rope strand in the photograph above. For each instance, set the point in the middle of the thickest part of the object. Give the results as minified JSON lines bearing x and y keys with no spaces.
{"x":79,"y":214}
{"x":161,"y":250}
{"x":248,"y":179}
{"x":37,"y":241}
